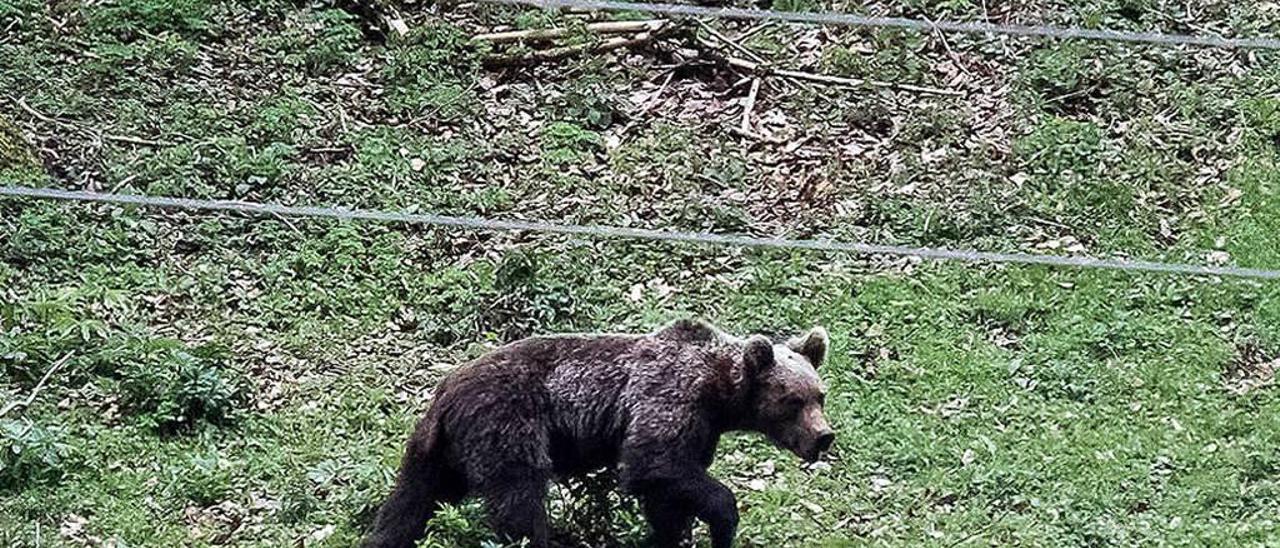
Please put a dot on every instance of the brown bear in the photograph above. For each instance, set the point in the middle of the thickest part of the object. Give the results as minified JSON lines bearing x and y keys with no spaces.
{"x":650,"y":406}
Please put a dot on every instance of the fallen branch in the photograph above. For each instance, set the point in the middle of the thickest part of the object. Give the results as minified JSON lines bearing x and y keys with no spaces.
{"x":607,"y":27}
{"x":834,"y":80}
{"x":36,"y":390}
{"x":568,"y":51}
{"x":744,"y":128}
{"x":728,"y":42}
{"x":753,"y":31}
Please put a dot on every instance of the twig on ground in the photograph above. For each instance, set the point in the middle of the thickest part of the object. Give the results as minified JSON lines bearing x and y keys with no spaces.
{"x":138,"y":141}
{"x":731,"y":43}
{"x":955,"y":59}
{"x":750,"y":105}
{"x":1069,"y":95}
{"x":8,"y":28}
{"x":119,"y":138}
{"x":36,"y":114}
{"x":744,"y":50}
{"x":657,"y":95}
{"x":35,"y":391}
{"x":753,"y":31}
{"x":287,"y":223}
{"x":1048,"y":222}
{"x":123,"y":182}
{"x":342,"y":118}
{"x":755,"y":136}
{"x":649,"y":105}
{"x":329,"y":150}
{"x":796,"y":144}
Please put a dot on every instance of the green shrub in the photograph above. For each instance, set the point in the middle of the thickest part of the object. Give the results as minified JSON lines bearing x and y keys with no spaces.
{"x":129,"y":19}
{"x":1263,"y":115}
{"x":163,"y":59}
{"x":1069,"y":78}
{"x":356,"y":487}
{"x":233,"y":168}
{"x":324,"y":41}
{"x":1061,"y":146}
{"x":895,"y":58}
{"x":170,"y":389}
{"x":206,"y":481}
{"x":432,"y":70}
{"x":30,"y":453}
{"x":588,"y":107}
{"x":44,"y":325}
{"x":596,"y":512}
{"x":566,"y":143}
{"x":524,"y":300}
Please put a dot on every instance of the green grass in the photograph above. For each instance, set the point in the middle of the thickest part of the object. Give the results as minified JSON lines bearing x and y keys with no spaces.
{"x":251,"y":381}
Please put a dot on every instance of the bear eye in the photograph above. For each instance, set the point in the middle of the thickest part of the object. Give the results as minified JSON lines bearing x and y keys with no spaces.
{"x":793,"y":401}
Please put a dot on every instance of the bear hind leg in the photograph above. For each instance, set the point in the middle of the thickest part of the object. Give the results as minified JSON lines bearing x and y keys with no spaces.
{"x":517,"y":509}
{"x":424,"y":482}
{"x":509,"y":462}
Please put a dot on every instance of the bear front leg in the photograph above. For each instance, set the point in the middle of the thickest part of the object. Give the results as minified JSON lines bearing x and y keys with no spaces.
{"x":668,"y":447}
{"x":671,"y":522}
{"x":709,"y":500}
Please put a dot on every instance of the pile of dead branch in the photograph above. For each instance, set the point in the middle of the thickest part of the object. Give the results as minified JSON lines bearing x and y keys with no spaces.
{"x":540,"y":45}
{"x":531,"y":46}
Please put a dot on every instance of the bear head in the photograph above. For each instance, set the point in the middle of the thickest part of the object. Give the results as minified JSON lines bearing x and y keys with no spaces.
{"x":786,"y":395}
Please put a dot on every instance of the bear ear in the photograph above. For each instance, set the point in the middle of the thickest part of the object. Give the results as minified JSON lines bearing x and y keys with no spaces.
{"x":812,"y":345}
{"x":757,"y":356}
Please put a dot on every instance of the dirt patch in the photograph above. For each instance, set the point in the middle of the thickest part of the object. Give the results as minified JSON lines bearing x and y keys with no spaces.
{"x":1253,"y":368}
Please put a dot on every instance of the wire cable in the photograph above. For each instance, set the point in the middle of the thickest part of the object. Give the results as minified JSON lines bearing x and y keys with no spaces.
{"x":853,"y":20}
{"x":263,"y":209}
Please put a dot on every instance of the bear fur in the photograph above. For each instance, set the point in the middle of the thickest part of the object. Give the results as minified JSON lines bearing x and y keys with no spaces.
{"x":652,"y":407}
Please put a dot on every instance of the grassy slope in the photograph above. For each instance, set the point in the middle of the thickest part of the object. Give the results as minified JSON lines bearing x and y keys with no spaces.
{"x":1020,"y":405}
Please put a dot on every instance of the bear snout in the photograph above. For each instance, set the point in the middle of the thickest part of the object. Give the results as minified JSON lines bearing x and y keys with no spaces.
{"x":820,"y":445}
{"x":825,"y":440}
